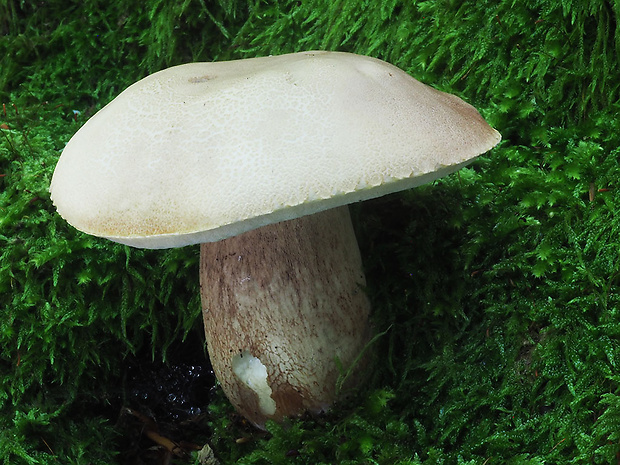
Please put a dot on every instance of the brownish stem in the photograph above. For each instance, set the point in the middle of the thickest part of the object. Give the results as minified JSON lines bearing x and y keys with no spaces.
{"x":286,"y":299}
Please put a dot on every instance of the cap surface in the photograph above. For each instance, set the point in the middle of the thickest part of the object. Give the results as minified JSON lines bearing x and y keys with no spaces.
{"x":205,"y":151}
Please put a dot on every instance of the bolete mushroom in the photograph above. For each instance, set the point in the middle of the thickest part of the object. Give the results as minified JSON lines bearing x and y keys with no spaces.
{"x":256,"y":160}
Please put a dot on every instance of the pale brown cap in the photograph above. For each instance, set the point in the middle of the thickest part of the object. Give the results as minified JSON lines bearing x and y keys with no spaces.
{"x":205,"y":151}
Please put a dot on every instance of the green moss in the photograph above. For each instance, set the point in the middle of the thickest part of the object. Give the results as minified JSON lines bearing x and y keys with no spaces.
{"x":497,"y":287}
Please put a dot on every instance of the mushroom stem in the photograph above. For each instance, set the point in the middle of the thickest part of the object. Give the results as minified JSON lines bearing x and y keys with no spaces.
{"x":284,"y":312}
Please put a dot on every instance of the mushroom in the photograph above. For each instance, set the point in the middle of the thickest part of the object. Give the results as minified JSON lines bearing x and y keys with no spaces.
{"x":256,"y":160}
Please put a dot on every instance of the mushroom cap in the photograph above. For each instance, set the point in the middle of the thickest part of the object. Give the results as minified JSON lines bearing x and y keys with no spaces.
{"x":205,"y":151}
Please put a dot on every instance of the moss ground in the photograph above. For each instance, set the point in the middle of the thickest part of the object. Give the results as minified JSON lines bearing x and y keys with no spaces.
{"x":496,"y":288}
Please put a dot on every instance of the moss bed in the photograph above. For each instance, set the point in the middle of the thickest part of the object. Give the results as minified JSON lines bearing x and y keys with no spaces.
{"x":495,"y":290}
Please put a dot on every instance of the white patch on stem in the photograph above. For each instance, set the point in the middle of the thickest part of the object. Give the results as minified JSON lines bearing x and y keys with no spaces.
{"x":251,"y":371}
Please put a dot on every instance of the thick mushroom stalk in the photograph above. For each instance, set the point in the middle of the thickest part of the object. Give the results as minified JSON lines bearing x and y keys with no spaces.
{"x":284,"y":312}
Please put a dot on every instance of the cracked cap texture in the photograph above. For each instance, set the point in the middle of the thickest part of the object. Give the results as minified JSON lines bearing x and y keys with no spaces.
{"x":205,"y":151}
